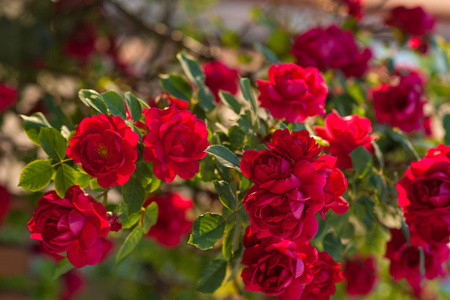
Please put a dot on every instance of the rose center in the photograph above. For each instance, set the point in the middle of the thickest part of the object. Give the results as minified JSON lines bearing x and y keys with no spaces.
{"x":102,"y":151}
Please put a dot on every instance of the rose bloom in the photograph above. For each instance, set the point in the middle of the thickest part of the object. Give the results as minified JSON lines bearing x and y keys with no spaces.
{"x":5,"y":202}
{"x":293,"y":93}
{"x":400,"y":105}
{"x":81,"y":43}
{"x":405,"y":260}
{"x":172,"y":224}
{"x":74,"y":224}
{"x":326,"y":273}
{"x":73,"y":284}
{"x":277,"y":267}
{"x":344,"y":135}
{"x":165,"y":100}
{"x":424,"y":195}
{"x":175,"y":143}
{"x":8,"y":96}
{"x":331,"y":48}
{"x":360,"y":275}
{"x":441,"y":151}
{"x":106,"y":148}
{"x":218,"y":77}
{"x":354,"y":8}
{"x":413,"y":21}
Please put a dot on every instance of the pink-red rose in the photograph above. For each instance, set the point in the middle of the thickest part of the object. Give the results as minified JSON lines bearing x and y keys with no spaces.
{"x":400,"y":105}
{"x":331,"y":48}
{"x":8,"y":96}
{"x":5,"y":201}
{"x":218,"y":77}
{"x":360,"y":275}
{"x":413,"y":21}
{"x":172,"y":224}
{"x":293,"y":92}
{"x":175,"y":143}
{"x":106,"y":148}
{"x":74,"y":224}
{"x":345,"y":134}
{"x":405,"y":260}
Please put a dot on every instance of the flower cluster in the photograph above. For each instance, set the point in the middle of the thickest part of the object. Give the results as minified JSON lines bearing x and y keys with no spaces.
{"x":331,"y":48}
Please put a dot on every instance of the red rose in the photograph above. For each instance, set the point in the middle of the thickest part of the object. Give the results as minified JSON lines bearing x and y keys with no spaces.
{"x":81,"y":43}
{"x":219,"y":77}
{"x":405,"y":260}
{"x":5,"y":201}
{"x":114,"y":222}
{"x":441,"y":151}
{"x":354,"y":8}
{"x":8,"y":96}
{"x":175,"y":143}
{"x":74,"y":283}
{"x":400,"y":105}
{"x":360,"y":275}
{"x":326,"y":274}
{"x":74,"y":224}
{"x":106,"y":148}
{"x":424,"y":195}
{"x":293,"y":93}
{"x":413,"y":21}
{"x":172,"y":224}
{"x":331,"y":48}
{"x":276,"y":267}
{"x":345,"y":134}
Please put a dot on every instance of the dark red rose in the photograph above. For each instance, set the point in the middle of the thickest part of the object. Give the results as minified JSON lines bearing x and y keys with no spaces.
{"x":175,"y":143}
{"x":354,"y":8}
{"x":5,"y":202}
{"x":405,"y":260}
{"x":413,"y":21}
{"x":293,"y":93}
{"x":73,"y":284}
{"x":326,"y":273}
{"x":400,"y":105}
{"x":8,"y":96}
{"x":424,"y":195}
{"x":114,"y":222}
{"x":360,"y":275}
{"x":345,"y":134}
{"x":106,"y":148}
{"x":331,"y":48}
{"x":74,"y":224}
{"x":277,"y":267}
{"x":172,"y":224}
{"x":218,"y":77}
{"x":81,"y":43}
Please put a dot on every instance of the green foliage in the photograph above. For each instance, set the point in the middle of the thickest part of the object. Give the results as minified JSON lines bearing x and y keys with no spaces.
{"x":192,"y":69}
{"x":115,"y":104}
{"x":150,"y":216}
{"x":207,"y":230}
{"x":212,"y":276}
{"x":362,"y":161}
{"x":53,"y":143}
{"x":94,"y":100}
{"x":62,"y":268}
{"x":227,"y":193}
{"x":332,"y":244}
{"x":133,"y":194}
{"x":134,"y":106}
{"x":447,"y":129}
{"x":36,"y":175}
{"x":65,"y":177}
{"x":230,"y":101}
{"x":224,"y":156}
{"x":206,"y":99}
{"x":130,"y":243}
{"x":33,"y":124}
{"x":177,"y":86}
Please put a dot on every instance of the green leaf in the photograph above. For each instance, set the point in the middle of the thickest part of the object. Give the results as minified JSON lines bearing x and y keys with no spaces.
{"x":332,"y":244}
{"x":53,"y":143}
{"x":362,"y":161}
{"x":230,"y":101}
{"x":33,"y":124}
{"x":82,"y":179}
{"x":212,"y":276}
{"x":269,"y":54}
{"x":248,"y":94}
{"x":227,"y":193}
{"x":62,"y":268}
{"x":65,"y":178}
{"x":95,"y":186}
{"x":150,"y":216}
{"x":421,"y":263}
{"x":232,"y":236}
{"x":177,"y":86}
{"x":224,"y":156}
{"x":206,"y":99}
{"x":207,"y":167}
{"x":447,"y":129}
{"x":115,"y":104}
{"x":245,"y":122}
{"x":206,"y":231}
{"x":405,"y":232}
{"x":134,"y":107}
{"x":236,"y":136}
{"x":130,"y":243}
{"x":192,"y":69}
{"x":128,"y":221}
{"x":133,"y":194}
{"x":36,"y":175}
{"x":92,"y":99}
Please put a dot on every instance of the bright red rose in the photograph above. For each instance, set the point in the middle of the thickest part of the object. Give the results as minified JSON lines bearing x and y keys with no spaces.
{"x":175,"y":143}
{"x":424,"y":195}
{"x":293,"y":93}
{"x":441,"y":151}
{"x":81,"y":43}
{"x":360,"y":275}
{"x":277,"y":267}
{"x":344,"y":135}
{"x":106,"y":148}
{"x":413,"y":21}
{"x":218,"y":77}
{"x":326,"y":273}
{"x":331,"y":48}
{"x":8,"y":96}
{"x":172,"y":224}
{"x":5,"y":201}
{"x":400,"y":105}
{"x":74,"y":224}
{"x":405,"y":260}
